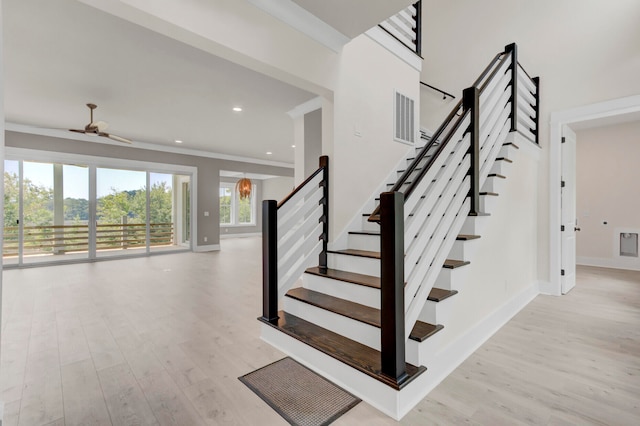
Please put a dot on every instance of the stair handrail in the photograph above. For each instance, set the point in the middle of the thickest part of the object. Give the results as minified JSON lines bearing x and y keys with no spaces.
{"x":294,"y":231}
{"x":392,"y":215}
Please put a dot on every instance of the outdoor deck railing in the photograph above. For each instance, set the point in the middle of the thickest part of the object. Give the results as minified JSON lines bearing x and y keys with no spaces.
{"x":60,"y":239}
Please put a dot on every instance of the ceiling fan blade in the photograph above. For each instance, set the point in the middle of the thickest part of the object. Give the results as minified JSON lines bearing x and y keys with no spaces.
{"x":115,"y":138}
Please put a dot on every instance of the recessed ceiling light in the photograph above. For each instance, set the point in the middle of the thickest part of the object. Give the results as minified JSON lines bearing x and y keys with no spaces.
{"x":293,"y":146}
{"x":178,"y":141}
{"x":237,"y":109}
{"x":269,"y":152}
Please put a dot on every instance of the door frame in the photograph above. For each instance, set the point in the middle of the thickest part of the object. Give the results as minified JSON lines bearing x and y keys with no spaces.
{"x":594,"y":111}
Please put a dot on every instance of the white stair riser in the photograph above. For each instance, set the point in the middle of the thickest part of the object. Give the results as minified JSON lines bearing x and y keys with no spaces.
{"x":422,"y":353}
{"x":347,"y":327}
{"x":488,"y":203}
{"x":501,"y":168}
{"x":357,"y":264}
{"x":369,"y":226}
{"x":473,"y":225}
{"x":437,"y":312}
{"x":364,"y":295}
{"x":452,"y":279}
{"x":508,"y":151}
{"x":364,"y":242}
{"x":494,"y":184}
{"x":462,"y":250}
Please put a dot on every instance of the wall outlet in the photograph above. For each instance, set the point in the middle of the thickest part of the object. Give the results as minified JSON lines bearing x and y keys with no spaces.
{"x":205,"y":239}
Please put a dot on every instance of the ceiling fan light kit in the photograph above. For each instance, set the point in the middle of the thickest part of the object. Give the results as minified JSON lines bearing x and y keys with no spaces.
{"x":98,"y":128}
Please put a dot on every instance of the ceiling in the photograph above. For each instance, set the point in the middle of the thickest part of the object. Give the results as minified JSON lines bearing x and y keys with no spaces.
{"x":60,"y":55}
{"x":353,"y":17}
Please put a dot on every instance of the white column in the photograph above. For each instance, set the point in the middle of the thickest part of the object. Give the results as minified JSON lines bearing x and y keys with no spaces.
{"x":297,"y":114}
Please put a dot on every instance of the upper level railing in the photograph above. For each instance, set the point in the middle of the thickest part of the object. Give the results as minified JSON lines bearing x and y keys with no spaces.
{"x":424,"y":211}
{"x":406,"y":27}
{"x":294,"y":232}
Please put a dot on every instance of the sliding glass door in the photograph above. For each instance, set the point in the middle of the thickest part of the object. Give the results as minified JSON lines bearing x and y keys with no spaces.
{"x":121,"y":212}
{"x":50,"y":215}
{"x":11,"y":232}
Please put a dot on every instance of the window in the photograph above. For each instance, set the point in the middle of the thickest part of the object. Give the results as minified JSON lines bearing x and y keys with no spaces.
{"x":225,"y":205}
{"x":233,"y":210}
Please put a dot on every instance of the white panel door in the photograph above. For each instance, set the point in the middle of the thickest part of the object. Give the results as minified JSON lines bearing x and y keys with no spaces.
{"x":568,"y":200}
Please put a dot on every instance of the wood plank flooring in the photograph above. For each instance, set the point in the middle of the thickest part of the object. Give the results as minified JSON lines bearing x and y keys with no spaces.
{"x":162,"y":340}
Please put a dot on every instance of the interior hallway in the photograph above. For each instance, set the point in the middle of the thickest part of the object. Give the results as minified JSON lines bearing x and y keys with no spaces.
{"x":162,"y":340}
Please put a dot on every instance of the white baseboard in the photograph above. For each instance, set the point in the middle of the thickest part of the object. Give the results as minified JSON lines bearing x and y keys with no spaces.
{"x":210,"y":247}
{"x":245,"y":235}
{"x":549,"y":288}
{"x":629,"y":263}
{"x":454,"y":354}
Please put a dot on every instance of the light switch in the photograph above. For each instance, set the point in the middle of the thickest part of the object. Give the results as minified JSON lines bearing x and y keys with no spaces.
{"x":206,"y":214}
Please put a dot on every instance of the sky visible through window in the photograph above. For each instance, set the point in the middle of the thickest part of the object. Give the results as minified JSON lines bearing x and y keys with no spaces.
{"x":76,"y":178}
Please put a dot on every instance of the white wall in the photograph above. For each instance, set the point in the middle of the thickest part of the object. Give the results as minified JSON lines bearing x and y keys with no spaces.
{"x":608,"y":190}
{"x":277,"y":188}
{"x":503,"y":263}
{"x":363,"y":101}
{"x":585,"y":51}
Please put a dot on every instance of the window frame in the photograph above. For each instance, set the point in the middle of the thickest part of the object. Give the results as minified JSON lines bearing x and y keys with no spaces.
{"x":235,"y":204}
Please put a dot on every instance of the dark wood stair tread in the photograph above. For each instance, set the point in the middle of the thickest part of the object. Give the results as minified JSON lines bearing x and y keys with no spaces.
{"x":354,"y":354}
{"x":497,"y":175}
{"x":359,"y":253}
{"x":356,"y":311}
{"x":376,"y":233}
{"x":423,"y":330}
{"x":504,"y":159}
{"x":467,"y":237}
{"x":493,"y":194}
{"x":512,"y":144}
{"x":453,"y":264}
{"x":349,"y":277}
{"x":439,"y":294}
{"x":480,"y":214}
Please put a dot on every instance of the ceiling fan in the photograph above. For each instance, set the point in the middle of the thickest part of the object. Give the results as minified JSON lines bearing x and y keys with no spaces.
{"x":98,"y":128}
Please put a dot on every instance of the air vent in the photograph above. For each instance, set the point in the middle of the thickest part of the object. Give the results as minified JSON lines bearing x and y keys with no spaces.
{"x":404,"y":113}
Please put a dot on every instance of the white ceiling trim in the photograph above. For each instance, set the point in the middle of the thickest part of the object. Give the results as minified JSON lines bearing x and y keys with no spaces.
{"x":62,"y":134}
{"x":302,"y":20}
{"x":305,"y":108}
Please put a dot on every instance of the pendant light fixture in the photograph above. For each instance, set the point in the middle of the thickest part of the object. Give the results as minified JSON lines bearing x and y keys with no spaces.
{"x":244,"y":188}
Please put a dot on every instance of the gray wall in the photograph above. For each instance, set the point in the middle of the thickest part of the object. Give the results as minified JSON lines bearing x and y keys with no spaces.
{"x":208,"y":171}
{"x":312,"y":141}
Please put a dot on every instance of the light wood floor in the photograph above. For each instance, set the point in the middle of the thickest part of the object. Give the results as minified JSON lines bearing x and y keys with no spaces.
{"x":162,"y":340}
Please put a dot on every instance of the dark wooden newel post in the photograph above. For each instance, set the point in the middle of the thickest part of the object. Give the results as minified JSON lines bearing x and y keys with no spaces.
{"x":471,"y":102}
{"x":324,"y":165}
{"x":513,"y":49}
{"x":392,"y":285}
{"x":270,"y":261}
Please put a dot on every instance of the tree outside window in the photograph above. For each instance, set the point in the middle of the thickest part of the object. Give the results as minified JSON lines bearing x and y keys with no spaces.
{"x":233,"y":210}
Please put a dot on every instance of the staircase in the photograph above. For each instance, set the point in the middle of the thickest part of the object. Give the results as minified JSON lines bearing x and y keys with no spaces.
{"x":370,"y":315}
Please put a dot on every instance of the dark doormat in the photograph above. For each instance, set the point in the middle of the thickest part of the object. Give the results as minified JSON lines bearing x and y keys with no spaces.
{"x":299,"y":395}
